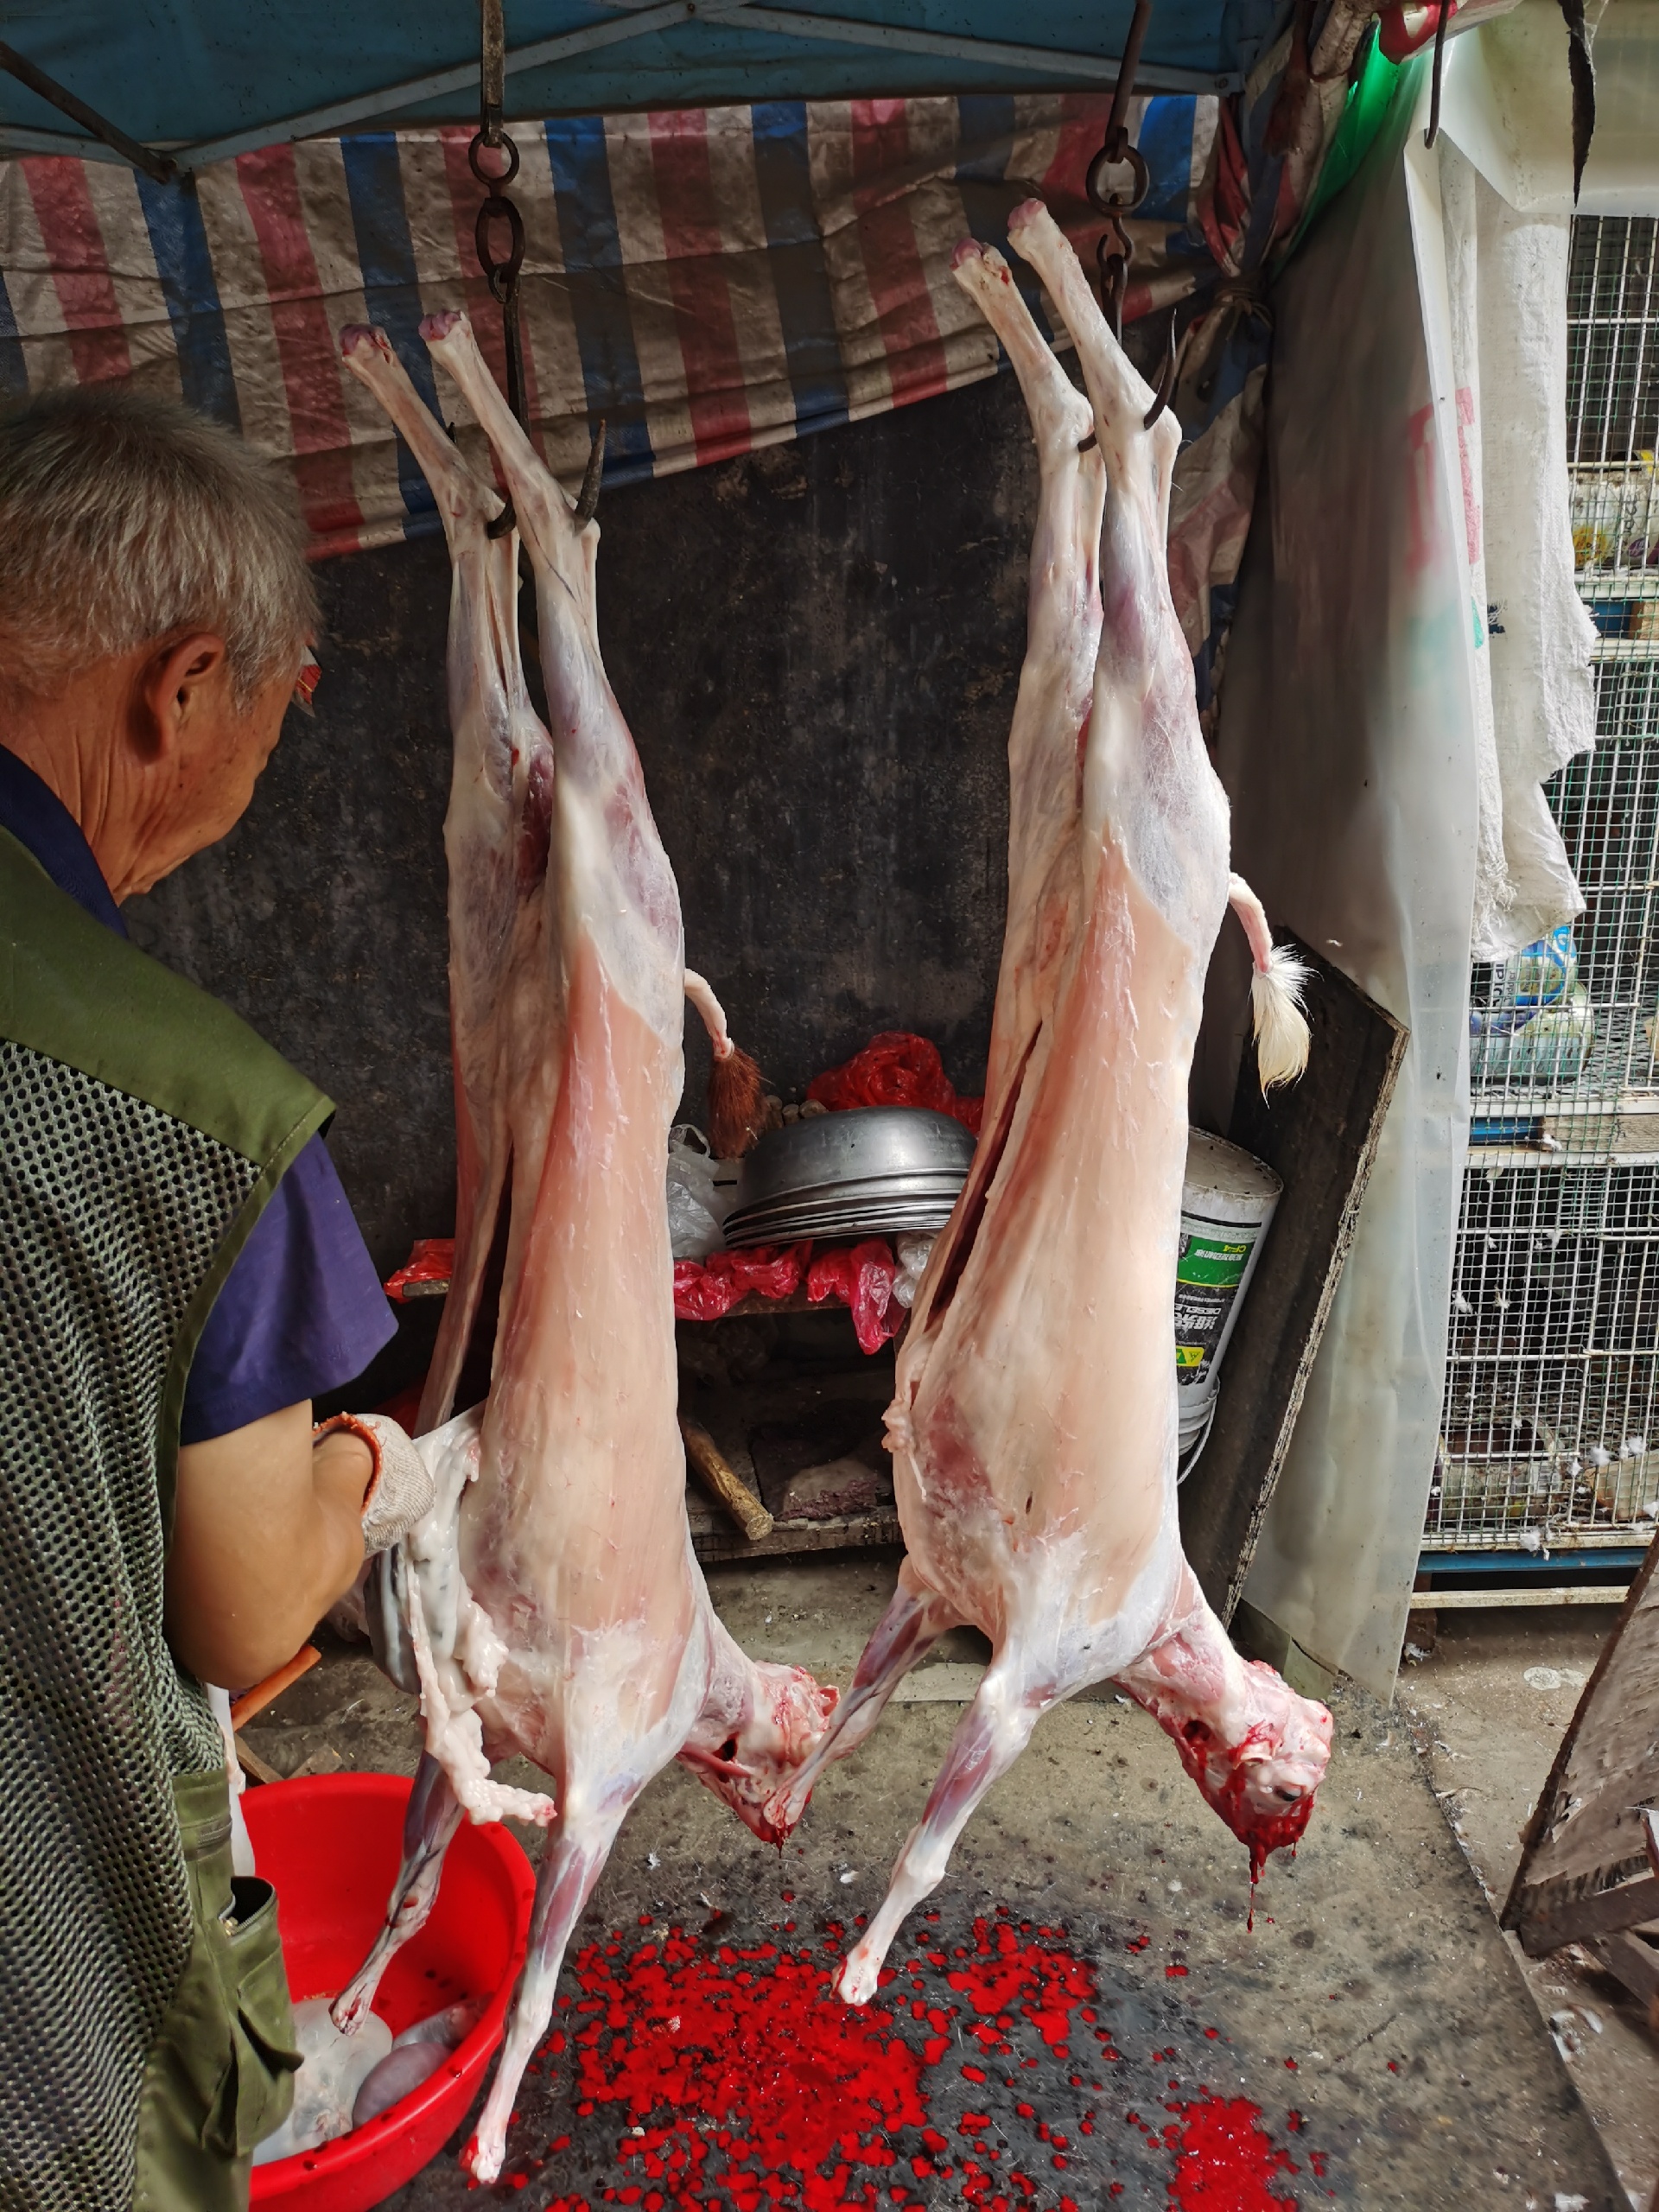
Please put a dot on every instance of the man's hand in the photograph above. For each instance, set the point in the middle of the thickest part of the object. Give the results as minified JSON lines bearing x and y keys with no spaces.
{"x":402,"y":1490}
{"x":267,"y":1533}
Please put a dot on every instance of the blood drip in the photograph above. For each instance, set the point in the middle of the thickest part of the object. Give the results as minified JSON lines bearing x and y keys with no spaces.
{"x":1225,"y":2163}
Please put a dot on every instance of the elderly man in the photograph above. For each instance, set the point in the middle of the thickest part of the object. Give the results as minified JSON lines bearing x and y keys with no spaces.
{"x":181,"y":1276}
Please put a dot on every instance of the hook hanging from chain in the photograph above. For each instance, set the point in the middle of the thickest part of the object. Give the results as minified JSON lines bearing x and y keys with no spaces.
{"x":1113,"y":248}
{"x":501,"y":270}
{"x":1114,"y":251}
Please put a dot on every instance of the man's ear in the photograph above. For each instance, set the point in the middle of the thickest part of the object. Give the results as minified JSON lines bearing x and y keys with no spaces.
{"x":171,"y":687}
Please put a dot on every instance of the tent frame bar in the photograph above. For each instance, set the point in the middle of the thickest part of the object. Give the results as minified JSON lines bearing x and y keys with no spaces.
{"x":1046,"y":63}
{"x":160,"y":166}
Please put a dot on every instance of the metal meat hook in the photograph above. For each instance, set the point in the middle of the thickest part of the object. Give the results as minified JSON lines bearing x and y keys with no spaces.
{"x":1114,"y":251}
{"x":588,"y":497}
{"x":1166,"y":384}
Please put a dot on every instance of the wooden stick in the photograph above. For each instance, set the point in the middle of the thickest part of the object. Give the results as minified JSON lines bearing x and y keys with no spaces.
{"x":723,"y":1481}
{"x":263,"y":1694}
{"x":253,"y":1766}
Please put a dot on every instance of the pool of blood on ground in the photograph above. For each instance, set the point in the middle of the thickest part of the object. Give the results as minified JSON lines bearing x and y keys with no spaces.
{"x":999,"y":2068}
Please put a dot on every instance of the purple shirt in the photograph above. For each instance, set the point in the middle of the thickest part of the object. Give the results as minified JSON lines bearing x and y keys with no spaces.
{"x":301,"y":1311}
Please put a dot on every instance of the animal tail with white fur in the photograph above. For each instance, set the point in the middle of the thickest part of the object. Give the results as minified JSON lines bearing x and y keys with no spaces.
{"x":1276,"y":985}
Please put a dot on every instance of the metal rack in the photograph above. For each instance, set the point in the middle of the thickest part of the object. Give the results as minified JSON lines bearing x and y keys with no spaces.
{"x":1550,"y":1431}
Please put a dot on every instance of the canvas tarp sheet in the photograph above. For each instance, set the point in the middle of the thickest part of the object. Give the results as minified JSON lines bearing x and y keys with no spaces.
{"x":707,"y":280}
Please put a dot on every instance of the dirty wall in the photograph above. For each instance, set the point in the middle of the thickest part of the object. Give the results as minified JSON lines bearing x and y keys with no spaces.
{"x":817,"y":647}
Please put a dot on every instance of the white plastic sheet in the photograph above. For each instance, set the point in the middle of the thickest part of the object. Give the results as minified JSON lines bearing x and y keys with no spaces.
{"x":1353,"y":717}
{"x":1531,"y":638}
{"x":1347,"y":743}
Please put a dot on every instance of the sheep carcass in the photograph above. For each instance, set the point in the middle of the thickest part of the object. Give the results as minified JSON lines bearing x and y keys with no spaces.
{"x":1033,"y":1430}
{"x":551,"y":1605}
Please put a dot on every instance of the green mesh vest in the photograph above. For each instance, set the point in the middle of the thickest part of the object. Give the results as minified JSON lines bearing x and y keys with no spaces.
{"x":142,"y":1128}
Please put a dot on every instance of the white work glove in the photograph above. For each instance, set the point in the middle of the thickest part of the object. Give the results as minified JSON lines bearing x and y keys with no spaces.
{"x":400,"y":1491}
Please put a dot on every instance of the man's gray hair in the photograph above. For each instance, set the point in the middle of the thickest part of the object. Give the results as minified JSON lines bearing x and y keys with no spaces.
{"x":125,"y":517}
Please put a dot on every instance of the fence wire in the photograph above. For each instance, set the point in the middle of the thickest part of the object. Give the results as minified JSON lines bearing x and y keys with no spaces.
{"x":1552,"y":1394}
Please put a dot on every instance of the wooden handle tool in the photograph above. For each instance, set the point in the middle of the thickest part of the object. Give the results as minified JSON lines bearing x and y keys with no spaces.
{"x":242,"y":1708}
{"x":723,"y":1481}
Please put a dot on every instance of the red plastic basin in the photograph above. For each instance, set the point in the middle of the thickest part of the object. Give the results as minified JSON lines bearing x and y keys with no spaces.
{"x":332,"y":1844}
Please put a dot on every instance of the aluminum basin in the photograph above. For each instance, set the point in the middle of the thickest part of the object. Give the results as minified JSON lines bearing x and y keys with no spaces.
{"x":885,"y":1146}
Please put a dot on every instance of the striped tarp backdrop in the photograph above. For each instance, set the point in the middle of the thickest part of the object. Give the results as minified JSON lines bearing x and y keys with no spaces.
{"x":708,"y":280}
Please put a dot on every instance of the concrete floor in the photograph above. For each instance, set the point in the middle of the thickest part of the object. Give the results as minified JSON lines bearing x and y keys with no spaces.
{"x":1374,"y":2018}
{"x":1488,"y":1707}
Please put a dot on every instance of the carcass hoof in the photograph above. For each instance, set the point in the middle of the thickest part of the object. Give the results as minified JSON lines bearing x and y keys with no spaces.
{"x":856,"y":1983}
{"x":347,"y":2010}
{"x":482,"y":2159}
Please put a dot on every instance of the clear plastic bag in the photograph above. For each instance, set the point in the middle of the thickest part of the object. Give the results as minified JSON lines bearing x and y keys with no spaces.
{"x":912,"y":1249}
{"x":698,"y":1203}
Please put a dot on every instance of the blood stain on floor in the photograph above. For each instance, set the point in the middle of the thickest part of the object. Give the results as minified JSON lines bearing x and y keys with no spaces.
{"x":703,"y":2073}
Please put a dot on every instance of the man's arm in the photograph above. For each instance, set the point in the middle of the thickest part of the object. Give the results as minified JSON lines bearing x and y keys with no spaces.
{"x":267,"y":1533}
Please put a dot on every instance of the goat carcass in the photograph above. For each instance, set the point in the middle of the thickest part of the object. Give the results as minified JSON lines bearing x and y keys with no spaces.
{"x":1033,"y":1429}
{"x":550,"y":1603}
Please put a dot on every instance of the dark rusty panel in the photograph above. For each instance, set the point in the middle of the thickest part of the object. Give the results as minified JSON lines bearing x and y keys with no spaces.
{"x":818,"y":649}
{"x":1586,"y":1833}
{"x":1320,"y":1136}
{"x":1555,"y":1914}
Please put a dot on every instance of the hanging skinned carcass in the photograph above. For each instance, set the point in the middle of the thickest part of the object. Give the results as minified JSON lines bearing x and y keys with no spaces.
{"x":551,"y":1605}
{"x":1033,"y":1429}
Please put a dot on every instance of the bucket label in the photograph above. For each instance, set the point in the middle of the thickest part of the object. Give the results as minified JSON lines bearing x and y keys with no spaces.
{"x":1207,"y":1276}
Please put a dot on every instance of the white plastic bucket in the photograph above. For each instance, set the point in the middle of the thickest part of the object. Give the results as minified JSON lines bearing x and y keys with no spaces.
{"x":1227,"y":1200}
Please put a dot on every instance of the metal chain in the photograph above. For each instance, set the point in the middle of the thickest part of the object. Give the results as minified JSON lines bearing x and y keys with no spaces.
{"x":1113,"y":248}
{"x":500,"y":272}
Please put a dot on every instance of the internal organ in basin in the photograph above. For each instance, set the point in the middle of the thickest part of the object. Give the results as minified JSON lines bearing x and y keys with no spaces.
{"x":1033,"y":1428}
{"x":551,"y":1604}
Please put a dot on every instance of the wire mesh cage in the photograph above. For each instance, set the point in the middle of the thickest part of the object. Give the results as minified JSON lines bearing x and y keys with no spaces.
{"x":1553,"y":1351}
{"x":1552,"y":1398}
{"x":1612,"y":311}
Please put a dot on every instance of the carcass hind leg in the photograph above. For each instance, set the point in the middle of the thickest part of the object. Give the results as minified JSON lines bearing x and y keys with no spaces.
{"x":577,"y":1847}
{"x":429,"y":1826}
{"x":915,"y":1620}
{"x":990,"y":1735}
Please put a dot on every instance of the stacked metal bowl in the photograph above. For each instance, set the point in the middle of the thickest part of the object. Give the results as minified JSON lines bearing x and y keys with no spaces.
{"x":875,"y":1169}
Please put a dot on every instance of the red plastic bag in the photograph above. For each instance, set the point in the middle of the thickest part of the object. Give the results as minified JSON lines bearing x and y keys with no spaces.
{"x":895,"y":1069}
{"x":704,"y":1290}
{"x":862,"y":1276}
{"x":432,"y":1259}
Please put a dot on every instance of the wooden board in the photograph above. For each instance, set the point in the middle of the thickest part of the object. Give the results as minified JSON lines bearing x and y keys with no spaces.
{"x":733,"y":1414}
{"x":1585,"y":1866}
{"x":715,"y":1537}
{"x":1320,"y":1136}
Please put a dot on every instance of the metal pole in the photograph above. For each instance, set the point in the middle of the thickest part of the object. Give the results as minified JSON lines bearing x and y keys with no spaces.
{"x":144,"y":157}
{"x":493,"y":69}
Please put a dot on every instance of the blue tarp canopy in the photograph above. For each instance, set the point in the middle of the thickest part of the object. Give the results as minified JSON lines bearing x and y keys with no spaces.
{"x":218,"y":80}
